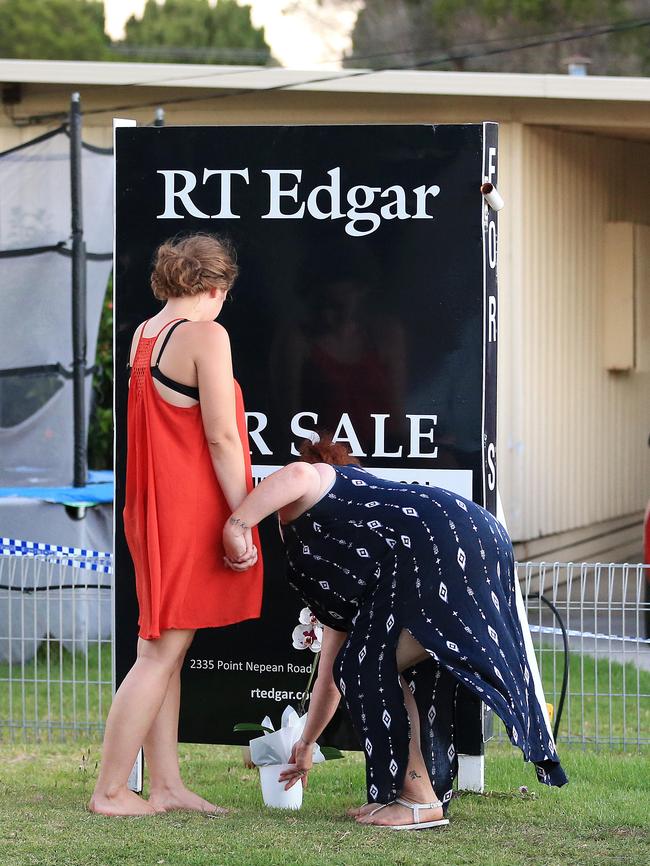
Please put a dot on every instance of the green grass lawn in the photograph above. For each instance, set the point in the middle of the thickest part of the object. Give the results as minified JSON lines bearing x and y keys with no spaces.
{"x":57,"y":694}
{"x":601,"y":818}
{"x":589,"y":713}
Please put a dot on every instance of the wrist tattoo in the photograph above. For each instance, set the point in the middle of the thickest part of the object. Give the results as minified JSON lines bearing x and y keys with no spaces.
{"x":236,"y":521}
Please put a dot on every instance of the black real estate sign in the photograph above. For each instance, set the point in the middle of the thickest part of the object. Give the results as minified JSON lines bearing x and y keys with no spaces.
{"x":366,"y":306}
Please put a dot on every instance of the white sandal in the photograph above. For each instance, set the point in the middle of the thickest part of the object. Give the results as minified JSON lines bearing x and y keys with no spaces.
{"x":415,"y":808}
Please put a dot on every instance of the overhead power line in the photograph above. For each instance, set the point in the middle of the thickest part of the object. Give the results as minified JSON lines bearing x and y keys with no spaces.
{"x":583,"y":33}
{"x":189,"y":52}
{"x":569,"y":36}
{"x":601,"y":30}
{"x":246,"y":55}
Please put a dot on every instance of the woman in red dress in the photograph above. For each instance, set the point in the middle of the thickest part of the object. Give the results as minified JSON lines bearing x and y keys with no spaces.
{"x":188,"y":468}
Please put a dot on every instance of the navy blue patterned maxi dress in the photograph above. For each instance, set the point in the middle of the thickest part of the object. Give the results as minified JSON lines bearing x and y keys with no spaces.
{"x":373,"y":557}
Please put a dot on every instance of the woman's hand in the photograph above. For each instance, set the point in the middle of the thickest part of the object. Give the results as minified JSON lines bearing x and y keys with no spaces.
{"x":240,"y":551}
{"x":246,"y":563}
{"x":302,"y":756}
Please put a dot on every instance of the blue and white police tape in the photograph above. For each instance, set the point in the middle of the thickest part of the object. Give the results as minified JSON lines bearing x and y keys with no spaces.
{"x":76,"y":557}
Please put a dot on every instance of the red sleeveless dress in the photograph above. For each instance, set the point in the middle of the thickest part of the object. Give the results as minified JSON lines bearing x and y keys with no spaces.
{"x":174,"y":514}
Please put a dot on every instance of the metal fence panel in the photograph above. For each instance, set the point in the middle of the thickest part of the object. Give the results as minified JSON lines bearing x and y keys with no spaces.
{"x":605,"y":610}
{"x":55,"y":640}
{"x":56,"y":675}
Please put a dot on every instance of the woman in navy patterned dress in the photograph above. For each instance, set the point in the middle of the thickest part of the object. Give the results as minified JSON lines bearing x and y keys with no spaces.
{"x":415,"y":588}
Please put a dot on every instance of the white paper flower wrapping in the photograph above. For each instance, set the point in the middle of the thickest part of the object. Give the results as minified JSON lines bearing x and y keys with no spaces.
{"x":276,"y":748}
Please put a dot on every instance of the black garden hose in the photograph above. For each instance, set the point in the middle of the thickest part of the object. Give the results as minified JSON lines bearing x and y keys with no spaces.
{"x":565,"y":676}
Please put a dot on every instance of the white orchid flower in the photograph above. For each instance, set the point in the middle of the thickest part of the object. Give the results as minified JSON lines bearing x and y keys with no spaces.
{"x":307,"y":636}
{"x":306,"y":617}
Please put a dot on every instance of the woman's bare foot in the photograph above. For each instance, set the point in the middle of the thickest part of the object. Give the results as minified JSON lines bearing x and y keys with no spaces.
{"x":124,"y":803}
{"x":358,"y":811}
{"x":182,"y":799}
{"x":396,"y":815}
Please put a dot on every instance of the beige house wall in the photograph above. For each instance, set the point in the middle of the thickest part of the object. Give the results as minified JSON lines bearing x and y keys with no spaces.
{"x":574,"y":436}
{"x":574,"y":462}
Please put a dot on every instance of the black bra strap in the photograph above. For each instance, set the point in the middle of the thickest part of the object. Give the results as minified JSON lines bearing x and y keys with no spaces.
{"x":168,"y":335}
{"x":188,"y":390}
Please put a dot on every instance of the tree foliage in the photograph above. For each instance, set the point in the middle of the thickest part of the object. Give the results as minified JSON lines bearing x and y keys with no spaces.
{"x":53,"y":30}
{"x":193,"y":31}
{"x":470,"y":35}
{"x":100,"y":431}
{"x":176,"y":31}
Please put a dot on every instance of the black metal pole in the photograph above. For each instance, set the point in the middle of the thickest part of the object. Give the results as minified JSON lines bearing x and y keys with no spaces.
{"x":78,"y":296}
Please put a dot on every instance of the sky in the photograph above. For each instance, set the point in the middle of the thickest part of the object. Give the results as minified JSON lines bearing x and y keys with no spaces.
{"x":302,"y":35}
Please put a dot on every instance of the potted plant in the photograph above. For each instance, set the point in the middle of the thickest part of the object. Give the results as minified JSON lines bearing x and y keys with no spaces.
{"x":271,"y":751}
